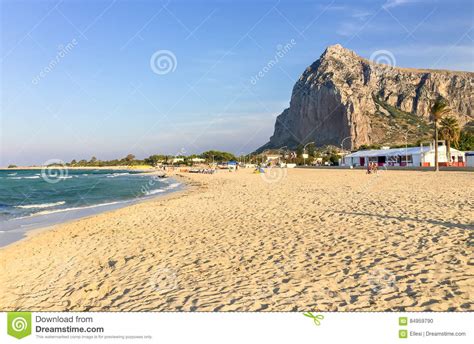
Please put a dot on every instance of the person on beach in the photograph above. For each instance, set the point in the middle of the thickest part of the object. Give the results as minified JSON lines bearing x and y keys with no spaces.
{"x":372,"y":167}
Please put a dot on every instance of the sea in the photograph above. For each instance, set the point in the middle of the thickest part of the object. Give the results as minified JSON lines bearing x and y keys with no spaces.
{"x":35,"y":198}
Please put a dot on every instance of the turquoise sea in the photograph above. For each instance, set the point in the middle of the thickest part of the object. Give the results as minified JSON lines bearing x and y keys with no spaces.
{"x":36,"y":198}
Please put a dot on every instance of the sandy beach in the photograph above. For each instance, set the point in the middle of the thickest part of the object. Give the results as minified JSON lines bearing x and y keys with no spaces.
{"x":289,"y":240}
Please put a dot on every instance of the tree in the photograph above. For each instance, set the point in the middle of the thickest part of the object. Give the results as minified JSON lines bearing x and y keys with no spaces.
{"x":311,"y":150}
{"x":299,"y":151}
{"x":153,"y":160}
{"x":466,"y":141}
{"x":129,"y":158}
{"x":438,"y":110}
{"x":334,"y":159}
{"x":450,"y":132}
{"x":372,"y":146}
{"x":93,"y":161}
{"x":218,"y":156}
{"x":73,"y":162}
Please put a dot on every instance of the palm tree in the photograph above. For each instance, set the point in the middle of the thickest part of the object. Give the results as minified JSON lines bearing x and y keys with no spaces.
{"x":450,"y":132}
{"x":438,"y":110}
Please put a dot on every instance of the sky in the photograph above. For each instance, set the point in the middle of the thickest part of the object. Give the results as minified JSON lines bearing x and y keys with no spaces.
{"x":113,"y":77}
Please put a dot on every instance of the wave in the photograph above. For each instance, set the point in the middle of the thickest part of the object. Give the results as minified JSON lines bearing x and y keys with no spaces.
{"x":41,"y":205}
{"x":117,"y":174}
{"x":173,"y":186}
{"x":46,"y":212}
{"x":28,"y":177}
{"x":153,"y":192}
{"x":12,"y":174}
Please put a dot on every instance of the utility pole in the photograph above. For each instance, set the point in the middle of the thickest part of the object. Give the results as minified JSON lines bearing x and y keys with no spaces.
{"x":304,"y":152}
{"x":342,"y":147}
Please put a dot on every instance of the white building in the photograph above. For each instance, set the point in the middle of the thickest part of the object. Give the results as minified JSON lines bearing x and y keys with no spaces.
{"x":411,"y":156}
{"x":470,"y":159}
{"x":176,"y":160}
{"x":273,"y":157}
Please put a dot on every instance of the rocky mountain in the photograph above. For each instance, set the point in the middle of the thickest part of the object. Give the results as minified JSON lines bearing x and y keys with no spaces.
{"x":344,"y":95}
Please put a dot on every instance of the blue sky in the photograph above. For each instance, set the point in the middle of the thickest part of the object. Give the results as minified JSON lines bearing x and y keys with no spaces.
{"x":77,"y":78}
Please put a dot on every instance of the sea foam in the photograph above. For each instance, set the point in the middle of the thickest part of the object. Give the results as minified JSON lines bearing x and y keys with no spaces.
{"x":41,"y":205}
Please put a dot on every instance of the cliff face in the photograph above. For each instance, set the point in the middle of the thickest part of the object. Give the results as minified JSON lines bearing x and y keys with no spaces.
{"x":343,"y":95}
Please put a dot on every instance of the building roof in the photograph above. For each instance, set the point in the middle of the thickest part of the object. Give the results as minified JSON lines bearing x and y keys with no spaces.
{"x":395,"y":152}
{"x":389,"y":152}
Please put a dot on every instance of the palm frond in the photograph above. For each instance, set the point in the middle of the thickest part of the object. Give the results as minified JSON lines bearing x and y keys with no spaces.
{"x":439,"y":109}
{"x":450,"y":129}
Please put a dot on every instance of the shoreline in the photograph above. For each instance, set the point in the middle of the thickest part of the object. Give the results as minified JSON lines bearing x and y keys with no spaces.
{"x":24,"y":227}
{"x":242,"y":242}
{"x":119,"y":167}
{"x":31,"y":233}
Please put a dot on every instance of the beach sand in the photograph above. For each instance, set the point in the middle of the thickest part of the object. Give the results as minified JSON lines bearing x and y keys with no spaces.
{"x":289,"y":240}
